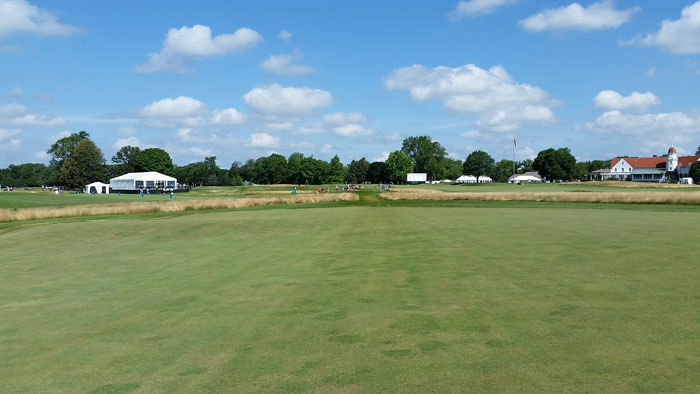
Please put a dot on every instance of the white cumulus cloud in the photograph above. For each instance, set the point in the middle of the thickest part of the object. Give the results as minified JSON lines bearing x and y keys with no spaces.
{"x":477,"y":7}
{"x":284,"y":64}
{"x":7,"y":141}
{"x":660,"y":128}
{"x":186,"y":111}
{"x":597,"y":16}
{"x":284,"y":35}
{"x":12,"y":109}
{"x":16,"y":115}
{"x":175,"y":108}
{"x":500,"y":103}
{"x":192,"y":43}
{"x":37,"y":120}
{"x":384,"y":156}
{"x":130,"y":141}
{"x":20,"y":16}
{"x":263,"y":140}
{"x":200,"y":151}
{"x":228,"y":116}
{"x":345,"y":117}
{"x":637,"y":102}
{"x":42,"y":156}
{"x":352,"y":130}
{"x":680,"y":36}
{"x":347,"y":124}
{"x":279,"y":102}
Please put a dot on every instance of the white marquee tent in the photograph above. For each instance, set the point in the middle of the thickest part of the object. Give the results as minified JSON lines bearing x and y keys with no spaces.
{"x":97,"y":188}
{"x":466,"y":179}
{"x":485,"y":179}
{"x":527,"y":177}
{"x":142,"y":180}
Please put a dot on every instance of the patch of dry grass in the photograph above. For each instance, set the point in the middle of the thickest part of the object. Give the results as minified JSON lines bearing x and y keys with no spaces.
{"x":633,"y":185}
{"x":598,"y":197}
{"x":8,"y":215}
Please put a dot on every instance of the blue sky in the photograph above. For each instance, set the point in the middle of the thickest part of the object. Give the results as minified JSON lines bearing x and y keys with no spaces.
{"x":241,"y":80}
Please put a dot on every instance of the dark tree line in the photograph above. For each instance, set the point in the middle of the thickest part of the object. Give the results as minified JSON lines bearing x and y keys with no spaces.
{"x":76,"y":160}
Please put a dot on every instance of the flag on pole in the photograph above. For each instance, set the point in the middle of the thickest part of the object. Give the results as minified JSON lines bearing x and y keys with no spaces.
{"x":514,"y":143}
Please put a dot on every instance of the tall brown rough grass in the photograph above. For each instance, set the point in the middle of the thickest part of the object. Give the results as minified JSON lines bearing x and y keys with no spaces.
{"x":601,"y":197}
{"x":8,"y":215}
{"x":634,"y":185}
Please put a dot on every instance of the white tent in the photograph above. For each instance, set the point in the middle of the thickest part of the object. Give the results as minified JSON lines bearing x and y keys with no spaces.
{"x":527,"y":177}
{"x":143,"y":180}
{"x":466,"y":179}
{"x":96,"y":188}
{"x":485,"y":179}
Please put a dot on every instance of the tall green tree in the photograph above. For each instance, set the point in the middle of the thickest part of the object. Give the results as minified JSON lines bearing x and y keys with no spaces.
{"x":426,"y":155}
{"x":294,"y":168}
{"x":314,"y":171}
{"x":398,"y":165}
{"x":271,"y":169}
{"x":376,"y":172}
{"x":125,"y":159}
{"x":581,"y":170}
{"x":695,"y":172}
{"x":502,"y":171}
{"x":84,"y":165}
{"x":357,"y":171}
{"x":478,"y":164}
{"x":154,"y":159}
{"x":248,"y":171}
{"x":453,"y":168}
{"x":235,"y":174}
{"x":62,"y":148}
{"x":557,"y":164}
{"x":524,"y":166}
{"x":336,"y":170}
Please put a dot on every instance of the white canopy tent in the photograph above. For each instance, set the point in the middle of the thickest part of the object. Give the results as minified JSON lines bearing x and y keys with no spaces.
{"x":96,"y":188}
{"x":485,"y":179}
{"x":466,"y":179}
{"x":142,"y":180}
{"x":527,"y":177}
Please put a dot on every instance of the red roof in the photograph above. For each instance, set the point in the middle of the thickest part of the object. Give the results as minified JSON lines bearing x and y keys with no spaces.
{"x":654,"y":162}
{"x":687,"y":160}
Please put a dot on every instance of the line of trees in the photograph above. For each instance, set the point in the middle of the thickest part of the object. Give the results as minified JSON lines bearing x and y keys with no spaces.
{"x":76,"y":161}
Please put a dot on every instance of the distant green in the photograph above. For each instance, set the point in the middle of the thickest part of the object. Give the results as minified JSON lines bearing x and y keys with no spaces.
{"x":444,"y":298}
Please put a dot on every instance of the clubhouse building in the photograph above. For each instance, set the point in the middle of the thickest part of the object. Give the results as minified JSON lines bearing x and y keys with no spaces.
{"x":647,"y":169}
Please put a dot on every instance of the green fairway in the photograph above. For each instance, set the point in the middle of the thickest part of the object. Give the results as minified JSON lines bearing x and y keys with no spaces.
{"x":446,"y":298}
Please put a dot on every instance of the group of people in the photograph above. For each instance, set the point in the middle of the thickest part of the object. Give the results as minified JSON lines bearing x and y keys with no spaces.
{"x":346,"y":188}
